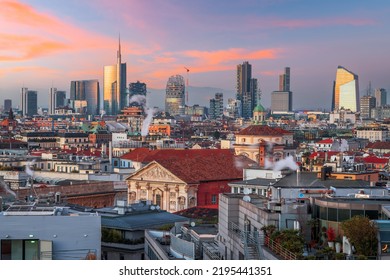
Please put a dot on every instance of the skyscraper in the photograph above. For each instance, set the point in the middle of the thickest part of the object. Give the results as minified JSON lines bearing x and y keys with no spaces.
{"x":61,"y":98}
{"x":381,"y":97}
{"x":367,"y":103}
{"x":52,"y":100}
{"x":246,"y":89}
{"x":7,"y":105}
{"x":284,"y":80}
{"x":346,"y":90}
{"x":137,"y":88}
{"x":281,"y":100}
{"x":85,"y":96}
{"x":216,"y":106}
{"x":114,"y":86}
{"x":29,"y":102}
{"x":174,"y":97}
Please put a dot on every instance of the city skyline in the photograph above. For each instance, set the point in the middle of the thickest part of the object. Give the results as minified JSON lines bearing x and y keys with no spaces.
{"x":49,"y":43}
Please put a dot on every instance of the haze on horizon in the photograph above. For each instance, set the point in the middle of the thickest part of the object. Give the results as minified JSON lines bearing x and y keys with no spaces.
{"x":48,"y":43}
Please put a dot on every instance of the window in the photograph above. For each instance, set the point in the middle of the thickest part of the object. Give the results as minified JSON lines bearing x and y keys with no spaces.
{"x":19,"y":249}
{"x":158,"y":200}
{"x":214,"y":199}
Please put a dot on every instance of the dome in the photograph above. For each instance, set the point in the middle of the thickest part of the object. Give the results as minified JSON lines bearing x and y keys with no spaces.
{"x":259,"y":108}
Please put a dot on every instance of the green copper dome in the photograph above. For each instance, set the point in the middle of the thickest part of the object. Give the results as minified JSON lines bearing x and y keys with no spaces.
{"x":259,"y":108}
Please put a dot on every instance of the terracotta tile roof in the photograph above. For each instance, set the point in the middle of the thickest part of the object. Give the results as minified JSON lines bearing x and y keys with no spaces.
{"x":326,"y":141}
{"x":378,"y":145}
{"x":322,"y":154}
{"x":375,"y":160}
{"x":263,"y":130}
{"x":194,"y":166}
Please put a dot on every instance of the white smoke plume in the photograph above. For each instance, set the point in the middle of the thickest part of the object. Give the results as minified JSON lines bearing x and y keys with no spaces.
{"x":7,"y":189}
{"x":102,"y":113}
{"x":268,"y":164}
{"x":149,"y":112}
{"x":285,"y":163}
{"x":238,"y":163}
{"x":28,"y":170}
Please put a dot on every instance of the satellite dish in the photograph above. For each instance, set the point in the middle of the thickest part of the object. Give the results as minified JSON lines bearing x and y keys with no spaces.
{"x":247,"y":198}
{"x":192,"y":224}
{"x":152,"y":207}
{"x":246,"y":191}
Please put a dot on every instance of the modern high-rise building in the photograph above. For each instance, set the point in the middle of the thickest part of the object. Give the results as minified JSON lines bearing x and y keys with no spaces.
{"x":114,"y":86}
{"x":137,"y":88}
{"x":61,"y":98}
{"x":7,"y":105}
{"x":367,"y":103}
{"x":56,"y":99}
{"x":284,"y":80}
{"x":175,"y":96}
{"x":232,"y":108}
{"x":29,"y":102}
{"x":52,"y":100}
{"x":346,"y":90}
{"x":381,"y":97}
{"x":216,"y":106}
{"x":281,"y":101}
{"x":247,"y":90}
{"x":85,"y":96}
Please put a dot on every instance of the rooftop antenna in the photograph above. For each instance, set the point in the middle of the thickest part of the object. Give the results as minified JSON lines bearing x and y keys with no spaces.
{"x":188,"y":70}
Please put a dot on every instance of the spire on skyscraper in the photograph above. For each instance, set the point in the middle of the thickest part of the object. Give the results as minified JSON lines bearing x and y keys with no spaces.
{"x":119,"y":49}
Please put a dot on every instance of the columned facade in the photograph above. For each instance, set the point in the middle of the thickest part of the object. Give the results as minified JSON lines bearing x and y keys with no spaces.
{"x":156,"y":184}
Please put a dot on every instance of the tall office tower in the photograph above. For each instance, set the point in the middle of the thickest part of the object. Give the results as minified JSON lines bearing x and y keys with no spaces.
{"x":61,"y":98}
{"x":284,"y":80}
{"x":367,"y":103}
{"x":174,"y":97}
{"x":7,"y":105}
{"x":281,"y":101}
{"x":29,"y":102}
{"x":346,"y":90}
{"x":114,"y":86}
{"x":247,"y":88}
{"x":380,"y":95}
{"x":137,"y":88}
{"x":52,"y":100}
{"x":85,"y":96}
{"x":216,"y":106}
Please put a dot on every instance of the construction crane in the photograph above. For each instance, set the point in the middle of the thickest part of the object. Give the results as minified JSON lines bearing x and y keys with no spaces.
{"x":188,"y":70}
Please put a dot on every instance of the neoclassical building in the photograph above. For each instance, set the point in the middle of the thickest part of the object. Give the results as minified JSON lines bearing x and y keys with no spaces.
{"x":278,"y":141}
{"x":184,"y":181}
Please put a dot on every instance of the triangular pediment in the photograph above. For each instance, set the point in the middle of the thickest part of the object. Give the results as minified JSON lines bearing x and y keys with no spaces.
{"x":154,"y":172}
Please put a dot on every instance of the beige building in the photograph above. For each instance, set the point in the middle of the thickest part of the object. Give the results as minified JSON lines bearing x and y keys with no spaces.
{"x":248,"y":140}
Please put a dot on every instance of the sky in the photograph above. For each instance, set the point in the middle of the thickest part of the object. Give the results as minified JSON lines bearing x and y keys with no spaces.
{"x":45,"y":43}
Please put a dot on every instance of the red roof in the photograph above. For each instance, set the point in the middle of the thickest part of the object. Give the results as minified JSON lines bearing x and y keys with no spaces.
{"x":375,"y":160}
{"x":263,"y":130}
{"x":378,"y":145}
{"x":322,"y":154}
{"x":326,"y":141}
{"x":194,"y":166}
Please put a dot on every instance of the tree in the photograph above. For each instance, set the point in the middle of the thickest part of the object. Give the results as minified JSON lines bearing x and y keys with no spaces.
{"x":362,"y":234}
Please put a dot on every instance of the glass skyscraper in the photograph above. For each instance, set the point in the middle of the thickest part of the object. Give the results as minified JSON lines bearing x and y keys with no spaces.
{"x":87,"y":91}
{"x":174,"y":97}
{"x":346,"y":90}
{"x":114,"y":86}
{"x":29,"y":102}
